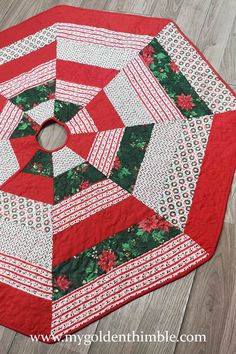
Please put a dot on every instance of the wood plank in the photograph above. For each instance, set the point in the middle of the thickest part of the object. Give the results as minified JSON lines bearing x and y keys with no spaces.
{"x":168,"y":9}
{"x":192,"y":16}
{"x":211,"y":297}
{"x":24,"y":345}
{"x":6,"y":339}
{"x":22,"y":10}
{"x":216,"y":30}
{"x":4,"y":8}
{"x":230,"y":215}
{"x":163,"y":8}
{"x":228,"y":64}
{"x":160,"y":310}
{"x":131,"y":6}
{"x":93,"y":4}
{"x":52,"y":137}
{"x":228,"y":342}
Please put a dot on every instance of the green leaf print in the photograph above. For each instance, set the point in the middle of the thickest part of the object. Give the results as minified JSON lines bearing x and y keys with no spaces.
{"x":64,"y":111}
{"x":130,"y":155}
{"x":41,"y":164}
{"x":34,"y":96}
{"x":173,"y":81}
{"x":119,"y":248}
{"x":26,"y":127}
{"x":75,"y":180}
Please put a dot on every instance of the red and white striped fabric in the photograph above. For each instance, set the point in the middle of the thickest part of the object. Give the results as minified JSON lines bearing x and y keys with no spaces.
{"x":25,"y":276}
{"x":82,"y":123}
{"x":10,"y":116}
{"x":102,"y":36}
{"x":75,"y":93}
{"x":104,"y":149}
{"x":125,"y":282}
{"x":35,"y":77}
{"x":150,"y":92}
{"x":82,"y":205}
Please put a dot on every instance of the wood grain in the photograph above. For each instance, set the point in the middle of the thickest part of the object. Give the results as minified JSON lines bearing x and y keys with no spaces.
{"x":228,"y":60}
{"x":157,"y":311}
{"x":211,"y":299}
{"x":192,"y":16}
{"x":216,"y":30}
{"x":204,"y":301}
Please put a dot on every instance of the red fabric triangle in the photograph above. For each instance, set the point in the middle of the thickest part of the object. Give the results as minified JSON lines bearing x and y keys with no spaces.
{"x":78,"y":73}
{"x":103,"y":113}
{"x":30,"y":186}
{"x":3,"y":102}
{"x":24,"y":148}
{"x":81,"y":143}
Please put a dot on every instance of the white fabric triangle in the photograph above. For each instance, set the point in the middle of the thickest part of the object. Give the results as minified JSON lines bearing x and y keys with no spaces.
{"x":42,"y":112}
{"x":65,"y":159}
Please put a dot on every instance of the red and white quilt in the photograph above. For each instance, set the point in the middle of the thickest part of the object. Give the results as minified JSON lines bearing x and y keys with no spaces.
{"x":136,"y":196}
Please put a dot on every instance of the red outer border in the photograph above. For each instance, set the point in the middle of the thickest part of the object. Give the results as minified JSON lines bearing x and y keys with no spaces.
{"x":206,"y":215}
{"x":136,"y":24}
{"x":23,"y":312}
{"x":144,"y":25}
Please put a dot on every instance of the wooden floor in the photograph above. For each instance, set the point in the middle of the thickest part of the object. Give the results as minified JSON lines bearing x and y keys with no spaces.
{"x":204,"y":302}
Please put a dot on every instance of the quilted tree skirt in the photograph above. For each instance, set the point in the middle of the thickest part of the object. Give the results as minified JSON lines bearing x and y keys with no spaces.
{"x":136,"y":197}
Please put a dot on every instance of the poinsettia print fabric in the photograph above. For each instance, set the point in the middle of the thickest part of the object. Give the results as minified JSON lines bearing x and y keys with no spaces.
{"x":127,"y":204}
{"x":138,"y":239}
{"x":174,"y":82}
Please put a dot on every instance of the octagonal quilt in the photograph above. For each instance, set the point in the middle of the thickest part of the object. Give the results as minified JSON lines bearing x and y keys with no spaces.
{"x":136,"y":196}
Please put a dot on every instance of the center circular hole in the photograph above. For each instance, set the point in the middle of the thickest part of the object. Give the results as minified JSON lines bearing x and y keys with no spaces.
{"x":52,"y":135}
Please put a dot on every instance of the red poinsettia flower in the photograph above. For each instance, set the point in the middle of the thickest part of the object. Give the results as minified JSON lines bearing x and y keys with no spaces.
{"x":38,"y":166}
{"x":147,"y":51}
{"x":163,"y":224}
{"x":148,"y":60}
{"x":84,"y":185}
{"x":61,"y":282}
{"x":154,"y":222}
{"x":185,"y":102}
{"x":107,"y":260}
{"x":174,"y":67}
{"x":51,"y":96}
{"x":147,"y":54}
{"x":117,"y":163}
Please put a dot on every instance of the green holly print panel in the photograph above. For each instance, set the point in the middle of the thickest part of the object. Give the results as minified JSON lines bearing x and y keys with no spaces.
{"x":41,"y":164}
{"x":27,"y":126}
{"x":130,"y":155}
{"x":64,"y":111}
{"x":75,"y":180}
{"x":34,"y":96}
{"x":173,"y":81}
{"x":114,"y":251}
